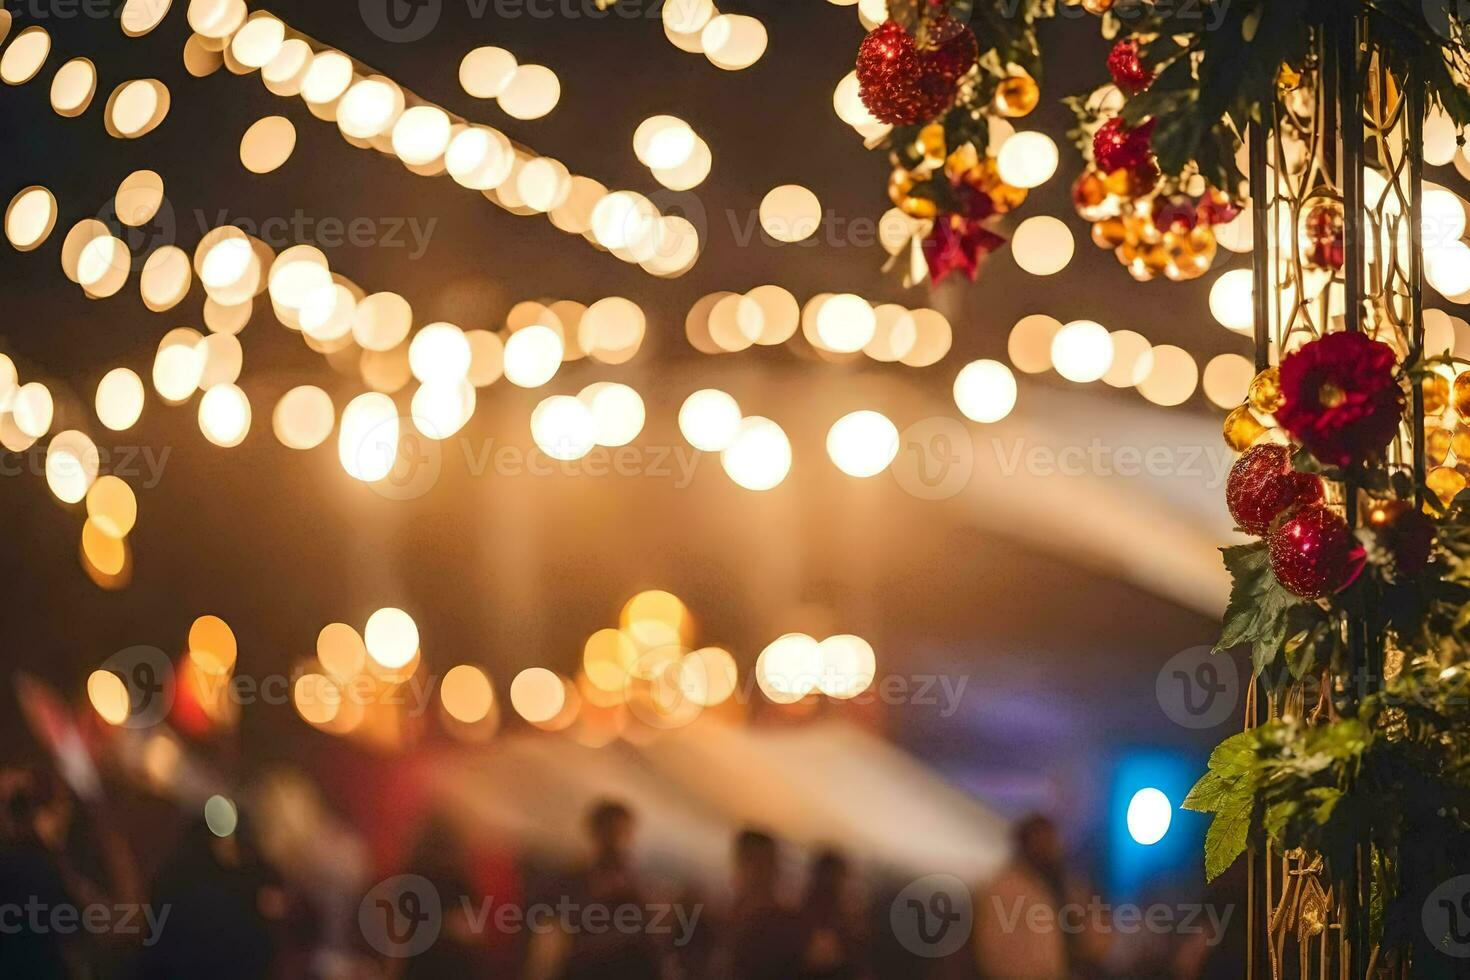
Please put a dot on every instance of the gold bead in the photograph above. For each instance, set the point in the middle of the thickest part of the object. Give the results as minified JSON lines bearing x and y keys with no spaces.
{"x":1242,"y":429}
{"x":1098,"y":7}
{"x":931,"y":144}
{"x":1109,"y":233}
{"x":1265,"y":391}
{"x":1462,"y":396}
{"x":1445,"y":482}
{"x":1436,"y":393}
{"x":1017,"y":96}
{"x":900,"y":184}
{"x":1459,"y":442}
{"x":1437,"y":444}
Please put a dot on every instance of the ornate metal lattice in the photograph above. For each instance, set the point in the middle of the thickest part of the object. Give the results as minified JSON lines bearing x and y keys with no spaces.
{"x":1336,"y":185}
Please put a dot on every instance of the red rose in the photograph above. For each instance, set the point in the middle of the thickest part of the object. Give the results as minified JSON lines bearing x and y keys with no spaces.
{"x":1340,"y":397}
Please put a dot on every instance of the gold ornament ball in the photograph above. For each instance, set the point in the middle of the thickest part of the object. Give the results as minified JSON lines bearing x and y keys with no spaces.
{"x":899,"y":187}
{"x":1242,"y":429}
{"x":1098,"y":7}
{"x":1017,"y":96}
{"x":1462,"y":395}
{"x":931,"y":145}
{"x":1109,"y":233}
{"x":1436,"y":394}
{"x":1459,"y":442}
{"x":1437,"y":445}
{"x":1445,"y":481}
{"x":1264,"y":394}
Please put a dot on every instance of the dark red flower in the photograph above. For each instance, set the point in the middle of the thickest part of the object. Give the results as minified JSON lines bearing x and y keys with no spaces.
{"x":1127,"y":69}
{"x":1340,"y":397}
{"x":1216,"y":209}
{"x":1175,"y":213}
{"x":958,"y":244}
{"x":1115,"y":146}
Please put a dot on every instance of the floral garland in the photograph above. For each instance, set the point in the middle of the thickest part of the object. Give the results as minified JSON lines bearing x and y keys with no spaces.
{"x":1382,"y":753}
{"x":926,"y":73}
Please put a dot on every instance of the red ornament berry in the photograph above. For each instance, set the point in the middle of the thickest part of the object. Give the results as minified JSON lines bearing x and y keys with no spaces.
{"x":1175,"y":213}
{"x":1127,"y":69}
{"x":1262,"y":485}
{"x":1216,"y":209}
{"x":905,"y":86}
{"x":1115,"y":146}
{"x":1313,"y":553}
{"x":1325,"y":240}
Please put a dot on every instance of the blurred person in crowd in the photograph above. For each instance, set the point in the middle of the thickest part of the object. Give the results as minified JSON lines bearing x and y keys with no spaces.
{"x":1031,"y":920}
{"x":32,"y":873}
{"x":461,"y":950}
{"x":224,"y":906}
{"x":834,"y":942}
{"x":763,"y":938}
{"x":608,"y":881}
{"x":1218,"y":953}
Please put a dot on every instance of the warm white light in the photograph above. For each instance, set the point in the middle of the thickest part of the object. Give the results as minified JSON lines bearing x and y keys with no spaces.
{"x":537,"y":695}
{"x":327,"y":78}
{"x":1232,"y":301}
{"x":1440,"y":138}
{"x":421,"y":135}
{"x":733,"y":41}
{"x":1029,"y":345}
{"x":1082,"y":351}
{"x":73,"y":86}
{"x":303,"y":417}
{"x":30,"y":218}
{"x":1443,"y":217}
{"x":25,"y":56}
{"x":439,"y":354}
{"x":1448,"y":268}
{"x":367,"y":441}
{"x":71,"y":465}
{"x":1149,"y":816}
{"x":119,"y":399}
{"x":370,"y":108}
{"x":224,"y":415}
{"x":759,"y":457}
{"x":259,"y":41}
{"x":790,"y":213}
{"x":687,"y":16}
{"x":617,"y":412}
{"x":563,"y":428}
{"x":1043,"y":245}
{"x":1027,"y":159}
{"x":848,"y":666}
{"x":441,"y":410}
{"x":479,"y":158}
{"x":709,"y":420}
{"x":1133,"y":359}
{"x":485,"y":72}
{"x":1173,"y":378}
{"x":532,"y":92}
{"x":846,"y":323}
{"x":1227,"y":378}
{"x":789,"y":668}
{"x":392,"y":637}
{"x":32,"y":409}
{"x":985,"y":391}
{"x":532,"y":356}
{"x":863,"y":443}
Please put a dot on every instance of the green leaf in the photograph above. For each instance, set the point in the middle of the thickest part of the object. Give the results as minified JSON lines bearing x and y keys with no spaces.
{"x":1226,"y":839}
{"x":1259,"y":608}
